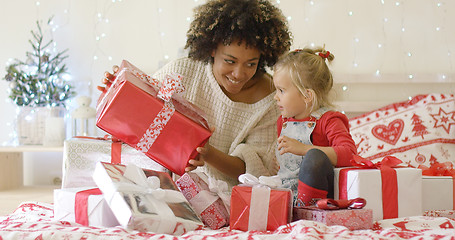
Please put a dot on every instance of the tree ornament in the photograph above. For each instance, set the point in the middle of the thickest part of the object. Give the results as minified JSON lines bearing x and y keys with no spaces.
{"x":12,"y":85}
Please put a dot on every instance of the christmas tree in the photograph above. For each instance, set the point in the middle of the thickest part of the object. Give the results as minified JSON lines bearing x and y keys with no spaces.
{"x":39,"y":82}
{"x":419,"y":129}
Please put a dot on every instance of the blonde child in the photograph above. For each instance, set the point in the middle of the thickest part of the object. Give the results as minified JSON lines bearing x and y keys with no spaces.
{"x":312,"y":139}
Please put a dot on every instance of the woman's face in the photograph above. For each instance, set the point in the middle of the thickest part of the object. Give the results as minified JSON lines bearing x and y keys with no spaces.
{"x":234,"y":65}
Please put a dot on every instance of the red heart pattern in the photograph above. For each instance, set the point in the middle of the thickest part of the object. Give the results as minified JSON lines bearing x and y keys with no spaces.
{"x":391,"y":133}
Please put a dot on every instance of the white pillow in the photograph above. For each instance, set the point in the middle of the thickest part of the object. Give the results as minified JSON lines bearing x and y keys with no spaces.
{"x":420,"y":131}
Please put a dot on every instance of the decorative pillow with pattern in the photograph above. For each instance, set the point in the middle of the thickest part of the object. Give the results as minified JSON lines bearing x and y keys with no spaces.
{"x":420,"y":131}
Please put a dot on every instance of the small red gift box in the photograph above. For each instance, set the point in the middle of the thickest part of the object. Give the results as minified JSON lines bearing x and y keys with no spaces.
{"x":206,"y":203}
{"x":148,"y":115}
{"x":260,"y":208}
{"x":353,"y":219}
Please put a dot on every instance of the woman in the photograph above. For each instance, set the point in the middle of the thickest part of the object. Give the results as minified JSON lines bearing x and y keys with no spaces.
{"x":230,"y":44}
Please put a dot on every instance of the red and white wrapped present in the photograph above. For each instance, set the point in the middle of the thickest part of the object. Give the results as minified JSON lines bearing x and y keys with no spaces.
{"x":208,"y":197}
{"x":85,"y":206}
{"x":145,"y":200}
{"x":258,"y":204}
{"x":438,"y":186}
{"x":80,"y":155}
{"x":151,"y":116}
{"x":348,"y":213}
{"x":391,"y":191}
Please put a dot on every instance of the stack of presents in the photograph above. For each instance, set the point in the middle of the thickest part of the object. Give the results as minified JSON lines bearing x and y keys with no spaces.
{"x":136,"y":177}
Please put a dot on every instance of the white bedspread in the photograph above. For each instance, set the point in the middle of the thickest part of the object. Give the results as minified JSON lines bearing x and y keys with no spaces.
{"x":33,"y":220}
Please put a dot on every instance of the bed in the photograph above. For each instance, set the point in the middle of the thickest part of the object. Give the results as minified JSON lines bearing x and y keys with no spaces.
{"x":403,"y":129}
{"x":33,"y":220}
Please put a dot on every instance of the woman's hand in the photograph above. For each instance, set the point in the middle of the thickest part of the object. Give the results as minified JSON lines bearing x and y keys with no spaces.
{"x":204,"y":153}
{"x":108,"y":79}
{"x":291,"y":145}
{"x":201,"y":157}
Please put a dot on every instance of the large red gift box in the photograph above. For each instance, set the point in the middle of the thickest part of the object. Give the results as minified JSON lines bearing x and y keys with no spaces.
{"x":152,"y":117}
{"x":353,"y":219}
{"x":260,"y":208}
{"x":209,"y":205}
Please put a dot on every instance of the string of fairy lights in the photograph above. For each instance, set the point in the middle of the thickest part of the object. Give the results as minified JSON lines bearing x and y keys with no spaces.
{"x":408,"y":52}
{"x":104,"y":6}
{"x":393,"y":14}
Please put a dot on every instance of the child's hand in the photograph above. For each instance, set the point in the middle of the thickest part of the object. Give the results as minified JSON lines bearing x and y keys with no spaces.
{"x":290,"y":145}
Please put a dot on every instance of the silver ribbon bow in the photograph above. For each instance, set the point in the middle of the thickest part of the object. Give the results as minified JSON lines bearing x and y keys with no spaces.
{"x":156,"y":198}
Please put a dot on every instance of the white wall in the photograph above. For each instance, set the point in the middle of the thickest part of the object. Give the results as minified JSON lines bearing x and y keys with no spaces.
{"x":385,"y":51}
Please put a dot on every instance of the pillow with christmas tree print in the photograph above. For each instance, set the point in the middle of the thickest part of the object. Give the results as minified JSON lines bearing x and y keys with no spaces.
{"x":420,"y":131}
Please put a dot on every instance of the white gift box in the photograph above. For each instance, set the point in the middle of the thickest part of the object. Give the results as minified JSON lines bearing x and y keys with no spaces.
{"x":437,"y":193}
{"x":98,"y":212}
{"x":145,"y":200}
{"x":367,"y":184}
{"x":80,"y":156}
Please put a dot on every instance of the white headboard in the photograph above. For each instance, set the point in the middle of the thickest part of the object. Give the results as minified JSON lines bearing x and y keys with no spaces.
{"x":357,"y":94}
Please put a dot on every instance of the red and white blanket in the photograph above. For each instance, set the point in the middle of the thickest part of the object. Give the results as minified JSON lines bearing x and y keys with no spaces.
{"x":32,"y":220}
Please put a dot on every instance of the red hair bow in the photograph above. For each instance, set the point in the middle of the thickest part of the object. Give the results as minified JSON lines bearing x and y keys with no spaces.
{"x":324,"y":55}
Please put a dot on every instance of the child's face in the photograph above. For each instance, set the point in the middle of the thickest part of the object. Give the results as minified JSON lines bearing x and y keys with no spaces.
{"x":289,"y":99}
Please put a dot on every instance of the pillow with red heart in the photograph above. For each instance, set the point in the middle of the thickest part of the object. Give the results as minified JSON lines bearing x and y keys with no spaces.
{"x":420,"y":131}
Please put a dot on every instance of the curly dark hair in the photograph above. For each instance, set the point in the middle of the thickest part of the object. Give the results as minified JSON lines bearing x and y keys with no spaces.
{"x":256,"y":22}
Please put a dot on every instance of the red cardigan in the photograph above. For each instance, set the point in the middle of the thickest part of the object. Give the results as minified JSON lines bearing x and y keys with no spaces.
{"x":332,"y":129}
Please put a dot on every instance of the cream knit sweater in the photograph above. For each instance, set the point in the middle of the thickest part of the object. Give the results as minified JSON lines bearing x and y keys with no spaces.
{"x":247,"y":131}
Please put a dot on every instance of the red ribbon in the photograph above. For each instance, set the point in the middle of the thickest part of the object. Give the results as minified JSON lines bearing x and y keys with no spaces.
{"x":116,"y":147}
{"x":441,"y":169}
{"x":438,"y":169}
{"x":81,"y":205}
{"x":388,"y":179}
{"x":332,"y":204}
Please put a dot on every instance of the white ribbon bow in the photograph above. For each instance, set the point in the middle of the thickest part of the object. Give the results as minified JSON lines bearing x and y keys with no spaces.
{"x":217,"y":189}
{"x":221,"y":188}
{"x":157,"y":198}
{"x":269,"y":181}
